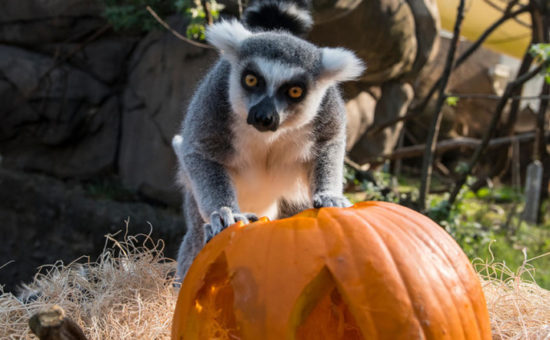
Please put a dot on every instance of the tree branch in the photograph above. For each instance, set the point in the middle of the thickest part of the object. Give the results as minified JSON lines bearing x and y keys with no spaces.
{"x":174,"y":32}
{"x":492,"y":127}
{"x":453,"y":144}
{"x":433,"y":133}
{"x":419,"y":108}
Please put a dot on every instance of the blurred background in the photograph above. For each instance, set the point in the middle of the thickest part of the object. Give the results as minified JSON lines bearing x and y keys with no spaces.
{"x":91,"y":93}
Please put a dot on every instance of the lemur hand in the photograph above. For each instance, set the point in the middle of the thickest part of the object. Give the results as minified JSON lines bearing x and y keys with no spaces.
{"x":223,"y":218}
{"x":325,"y":199}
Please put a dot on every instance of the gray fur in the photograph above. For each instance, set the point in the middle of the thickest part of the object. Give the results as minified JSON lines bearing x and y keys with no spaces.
{"x":227,"y":164}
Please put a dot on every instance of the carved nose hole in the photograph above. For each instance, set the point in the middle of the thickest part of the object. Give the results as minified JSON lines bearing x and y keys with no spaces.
{"x":322,"y":313}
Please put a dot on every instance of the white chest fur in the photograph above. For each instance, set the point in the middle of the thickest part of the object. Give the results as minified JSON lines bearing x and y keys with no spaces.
{"x":270,"y":166}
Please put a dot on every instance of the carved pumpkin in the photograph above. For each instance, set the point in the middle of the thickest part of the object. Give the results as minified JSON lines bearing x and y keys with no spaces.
{"x":373,"y":271}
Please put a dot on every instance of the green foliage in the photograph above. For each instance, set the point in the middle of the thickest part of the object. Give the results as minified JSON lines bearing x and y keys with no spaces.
{"x":196,"y":13}
{"x":451,"y":100}
{"x":132,"y":14}
{"x":541,"y":53}
{"x":488,"y":223}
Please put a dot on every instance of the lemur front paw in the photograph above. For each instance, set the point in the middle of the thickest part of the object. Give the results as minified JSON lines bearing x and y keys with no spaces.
{"x":321,"y":200}
{"x":223,"y":218}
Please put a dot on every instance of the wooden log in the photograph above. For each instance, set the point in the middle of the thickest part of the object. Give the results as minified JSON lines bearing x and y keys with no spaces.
{"x":53,"y":324}
{"x":452,"y":144}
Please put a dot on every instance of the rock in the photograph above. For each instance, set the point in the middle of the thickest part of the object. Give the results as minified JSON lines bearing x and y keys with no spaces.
{"x":397,"y":39}
{"x":65,"y":123}
{"x":387,"y":41}
{"x":471,"y":116}
{"x":25,"y":70}
{"x":328,"y":10}
{"x":427,"y":27}
{"x":393,"y":103}
{"x":105,"y":59}
{"x":163,"y":76}
{"x":25,"y":10}
{"x":360,"y":114}
{"x":45,"y":220}
{"x":36,"y":33}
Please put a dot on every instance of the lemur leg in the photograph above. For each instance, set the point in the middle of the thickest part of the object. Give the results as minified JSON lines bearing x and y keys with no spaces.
{"x":194,"y":238}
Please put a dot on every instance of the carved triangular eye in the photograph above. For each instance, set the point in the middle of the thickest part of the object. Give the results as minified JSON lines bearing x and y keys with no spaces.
{"x":321,"y":313}
{"x":213,"y":315}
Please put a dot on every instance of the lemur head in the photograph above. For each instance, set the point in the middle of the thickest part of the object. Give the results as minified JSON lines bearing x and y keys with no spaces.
{"x":277,"y":80}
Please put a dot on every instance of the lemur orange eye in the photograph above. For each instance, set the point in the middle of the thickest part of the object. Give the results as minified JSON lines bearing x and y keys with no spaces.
{"x":250,"y":80}
{"x":295,"y":92}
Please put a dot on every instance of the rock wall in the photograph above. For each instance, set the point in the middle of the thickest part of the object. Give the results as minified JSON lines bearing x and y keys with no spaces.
{"x":78,"y":100}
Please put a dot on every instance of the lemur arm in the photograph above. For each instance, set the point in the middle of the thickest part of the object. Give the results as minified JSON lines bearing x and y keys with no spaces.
{"x":214,"y":193}
{"x":328,"y":175}
{"x":328,"y":167}
{"x":210,"y":184}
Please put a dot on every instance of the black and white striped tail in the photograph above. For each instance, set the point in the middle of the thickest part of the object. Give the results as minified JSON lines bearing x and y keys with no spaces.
{"x":267,"y":15}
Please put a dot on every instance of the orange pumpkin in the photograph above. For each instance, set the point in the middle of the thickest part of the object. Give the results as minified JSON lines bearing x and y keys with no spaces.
{"x":372,"y":271}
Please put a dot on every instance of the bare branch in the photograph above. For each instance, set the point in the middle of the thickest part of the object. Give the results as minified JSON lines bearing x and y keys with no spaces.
{"x":414,"y":151}
{"x":174,"y":32}
{"x":492,"y":126}
{"x":433,"y":132}
{"x":495,"y":97}
{"x":206,"y":7}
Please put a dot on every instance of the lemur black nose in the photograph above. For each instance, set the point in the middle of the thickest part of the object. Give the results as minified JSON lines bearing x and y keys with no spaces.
{"x":263,"y":116}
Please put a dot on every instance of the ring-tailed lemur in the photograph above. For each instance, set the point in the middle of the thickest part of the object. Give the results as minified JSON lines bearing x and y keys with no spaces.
{"x":265,"y":131}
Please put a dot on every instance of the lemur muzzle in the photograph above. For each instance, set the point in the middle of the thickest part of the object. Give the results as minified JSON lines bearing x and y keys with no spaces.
{"x":263,"y":116}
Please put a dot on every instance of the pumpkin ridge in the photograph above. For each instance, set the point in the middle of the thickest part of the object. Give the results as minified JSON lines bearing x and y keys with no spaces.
{"x":449,"y":261}
{"x":406,"y":232}
{"x":402,"y":280}
{"x":340,"y":288}
{"x":395,"y":269}
{"x":461,"y":277}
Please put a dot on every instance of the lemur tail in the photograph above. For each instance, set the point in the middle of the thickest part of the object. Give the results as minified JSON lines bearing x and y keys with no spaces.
{"x":288,"y":15}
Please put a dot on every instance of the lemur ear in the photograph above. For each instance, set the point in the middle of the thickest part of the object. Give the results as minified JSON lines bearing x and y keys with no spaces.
{"x":340,"y":65}
{"x":227,"y":36}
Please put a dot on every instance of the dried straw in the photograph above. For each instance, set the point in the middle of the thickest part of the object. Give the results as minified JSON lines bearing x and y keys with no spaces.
{"x":518,"y":307}
{"x":127,"y":294}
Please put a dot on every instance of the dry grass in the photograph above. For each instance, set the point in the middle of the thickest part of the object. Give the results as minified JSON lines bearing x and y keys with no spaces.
{"x":518,"y":307}
{"x":127,"y":294}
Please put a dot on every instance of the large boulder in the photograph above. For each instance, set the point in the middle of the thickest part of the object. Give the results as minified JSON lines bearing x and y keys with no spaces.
{"x":393,"y":102}
{"x":25,"y":10}
{"x":56,"y":118}
{"x":36,"y":22}
{"x":470,"y":116}
{"x":380,"y":32}
{"x":163,"y":75}
{"x":397,"y":40}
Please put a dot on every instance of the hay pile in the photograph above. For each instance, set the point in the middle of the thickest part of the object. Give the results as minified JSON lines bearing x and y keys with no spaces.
{"x":127,"y":294}
{"x":518,"y":307}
